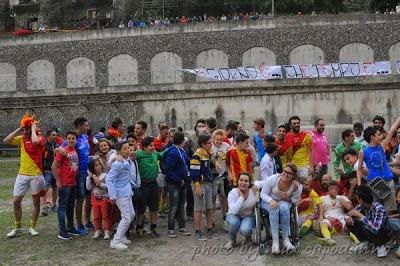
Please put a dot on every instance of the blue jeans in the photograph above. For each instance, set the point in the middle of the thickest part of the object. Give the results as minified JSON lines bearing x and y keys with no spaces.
{"x":66,"y":205}
{"x":280,"y":213}
{"x":243,"y":225}
{"x":394,"y":225}
{"x":177,"y":198}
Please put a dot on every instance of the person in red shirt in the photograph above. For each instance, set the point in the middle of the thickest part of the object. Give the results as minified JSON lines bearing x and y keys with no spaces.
{"x":230,"y":133}
{"x":65,"y":170}
{"x":348,"y":187}
{"x":30,"y":174}
{"x":321,"y":185}
{"x":162,"y":139}
{"x":239,"y":159}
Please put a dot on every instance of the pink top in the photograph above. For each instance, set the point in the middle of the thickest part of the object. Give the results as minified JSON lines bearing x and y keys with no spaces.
{"x":320,"y":148}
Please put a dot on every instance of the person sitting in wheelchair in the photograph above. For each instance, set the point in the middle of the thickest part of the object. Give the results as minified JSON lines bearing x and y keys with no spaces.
{"x":278,"y":194}
{"x":240,"y":216}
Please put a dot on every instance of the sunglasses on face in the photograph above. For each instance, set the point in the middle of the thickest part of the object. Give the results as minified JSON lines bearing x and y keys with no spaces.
{"x":287,"y":172}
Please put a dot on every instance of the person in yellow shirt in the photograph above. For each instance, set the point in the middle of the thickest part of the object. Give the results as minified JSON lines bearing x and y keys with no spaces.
{"x":301,"y":143}
{"x":30,"y":174}
{"x":310,"y":208}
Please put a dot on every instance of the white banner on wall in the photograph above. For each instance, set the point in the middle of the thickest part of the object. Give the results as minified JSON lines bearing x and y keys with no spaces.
{"x":335,"y":70}
{"x":238,"y":73}
{"x":331,"y":70}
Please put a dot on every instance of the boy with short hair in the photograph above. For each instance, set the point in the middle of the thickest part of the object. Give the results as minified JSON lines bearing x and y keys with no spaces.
{"x":147,"y":160}
{"x":65,"y":171}
{"x":118,"y":182}
{"x":200,"y":171}
{"x":239,"y":159}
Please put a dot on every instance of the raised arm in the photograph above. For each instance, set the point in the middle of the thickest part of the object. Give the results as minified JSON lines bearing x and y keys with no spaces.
{"x":391,"y":132}
{"x":360,"y":167}
{"x":235,"y":201}
{"x":10,"y":136}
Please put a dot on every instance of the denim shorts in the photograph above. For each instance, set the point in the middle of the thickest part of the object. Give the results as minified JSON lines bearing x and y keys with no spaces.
{"x":49,"y":180}
{"x":81,"y":191}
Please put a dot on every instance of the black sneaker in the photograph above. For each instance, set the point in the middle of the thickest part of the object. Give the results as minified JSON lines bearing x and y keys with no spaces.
{"x":73,"y":231}
{"x":90,"y":226}
{"x":154,"y":233}
{"x":64,"y":236}
{"x":171,"y":234}
{"x":211,"y":234}
{"x":184,"y":232}
{"x":200,"y":236}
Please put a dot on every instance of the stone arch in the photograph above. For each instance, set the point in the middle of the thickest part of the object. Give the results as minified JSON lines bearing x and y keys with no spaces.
{"x":307,"y":54}
{"x":41,"y":75}
{"x":212,"y":58}
{"x":8,"y":77}
{"x":122,"y":70}
{"x":258,"y":56}
{"x":394,"y":52}
{"x":356,"y":52}
{"x":81,"y":73}
{"x":164,"y":68}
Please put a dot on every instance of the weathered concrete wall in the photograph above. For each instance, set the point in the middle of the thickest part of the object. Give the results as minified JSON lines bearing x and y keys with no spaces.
{"x":338,"y":101}
{"x":122,"y":70}
{"x":41,"y":75}
{"x":164,"y":68}
{"x":92,"y":73}
{"x":7,"y":77}
{"x":307,"y":54}
{"x":259,"y":56}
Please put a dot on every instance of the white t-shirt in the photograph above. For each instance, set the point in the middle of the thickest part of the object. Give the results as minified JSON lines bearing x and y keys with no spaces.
{"x":333,"y":208}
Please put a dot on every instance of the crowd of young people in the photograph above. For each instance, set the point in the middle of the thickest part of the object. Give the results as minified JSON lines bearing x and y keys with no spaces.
{"x":120,"y":173}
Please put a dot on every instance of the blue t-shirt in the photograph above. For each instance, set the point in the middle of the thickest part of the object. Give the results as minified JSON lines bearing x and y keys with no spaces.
{"x":259,"y":142}
{"x":375,"y":159}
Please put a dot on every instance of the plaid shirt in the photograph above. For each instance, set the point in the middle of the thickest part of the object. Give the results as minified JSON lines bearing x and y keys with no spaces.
{"x":375,"y":218}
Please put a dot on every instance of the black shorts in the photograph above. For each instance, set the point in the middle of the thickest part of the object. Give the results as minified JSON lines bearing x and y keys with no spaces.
{"x":150,"y":197}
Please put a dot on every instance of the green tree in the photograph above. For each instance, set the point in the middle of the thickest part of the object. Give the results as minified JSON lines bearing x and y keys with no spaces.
{"x":59,"y":13}
{"x":6,"y":16}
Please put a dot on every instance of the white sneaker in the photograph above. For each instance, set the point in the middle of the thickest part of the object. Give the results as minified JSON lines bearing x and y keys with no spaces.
{"x":229,"y":245}
{"x":33,"y":232}
{"x":125,"y":241}
{"x":275,"y":246}
{"x":107,"y":234}
{"x":15,"y":232}
{"x":382,"y":251}
{"x":97,"y":234}
{"x":362,"y":246}
{"x":118,"y":246}
{"x":287,"y":244}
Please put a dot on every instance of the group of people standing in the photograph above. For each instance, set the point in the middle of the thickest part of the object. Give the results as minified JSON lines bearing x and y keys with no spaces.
{"x":120,"y":173}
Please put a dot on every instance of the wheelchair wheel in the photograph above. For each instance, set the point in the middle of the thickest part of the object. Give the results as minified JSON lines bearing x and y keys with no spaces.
{"x":257,"y":227}
{"x":294,"y":229}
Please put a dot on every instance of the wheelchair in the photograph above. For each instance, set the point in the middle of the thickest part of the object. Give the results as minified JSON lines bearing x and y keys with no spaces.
{"x":262,"y":232}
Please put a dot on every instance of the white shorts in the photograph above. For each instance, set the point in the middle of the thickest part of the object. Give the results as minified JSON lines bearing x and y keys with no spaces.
{"x":161,"y":180}
{"x":24,"y":182}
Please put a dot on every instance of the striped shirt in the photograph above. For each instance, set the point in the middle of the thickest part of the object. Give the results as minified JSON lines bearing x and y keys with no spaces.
{"x":238,"y":161}
{"x":375,"y":218}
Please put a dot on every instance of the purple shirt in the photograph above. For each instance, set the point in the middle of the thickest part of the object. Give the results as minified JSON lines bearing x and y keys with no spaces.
{"x":320,"y":148}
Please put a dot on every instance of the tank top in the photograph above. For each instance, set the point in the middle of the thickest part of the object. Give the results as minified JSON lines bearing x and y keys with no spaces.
{"x":377,"y":165}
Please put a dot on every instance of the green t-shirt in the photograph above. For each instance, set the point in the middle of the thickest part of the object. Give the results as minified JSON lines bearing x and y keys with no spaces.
{"x":148,"y":164}
{"x":340,"y":149}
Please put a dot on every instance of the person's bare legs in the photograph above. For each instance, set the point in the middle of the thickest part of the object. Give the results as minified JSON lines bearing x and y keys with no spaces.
{"x":35,"y":210}
{"x":210,"y":218}
{"x":18,"y":209}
